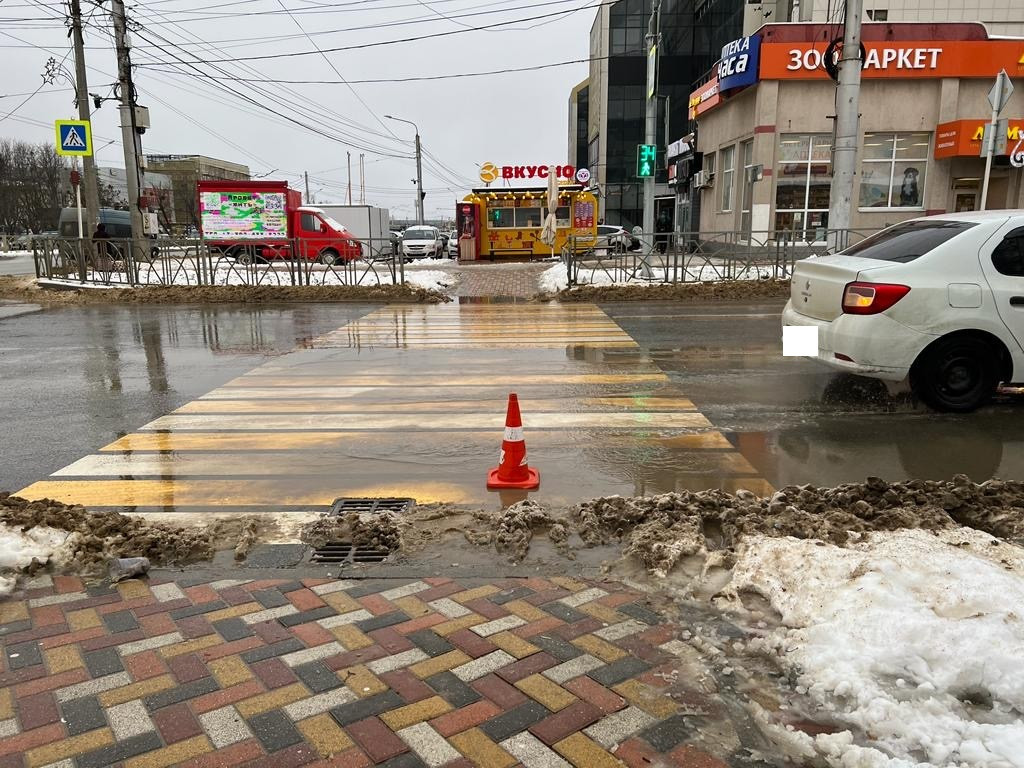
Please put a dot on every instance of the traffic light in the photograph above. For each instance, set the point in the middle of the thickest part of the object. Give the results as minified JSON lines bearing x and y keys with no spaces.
{"x":646,"y":160}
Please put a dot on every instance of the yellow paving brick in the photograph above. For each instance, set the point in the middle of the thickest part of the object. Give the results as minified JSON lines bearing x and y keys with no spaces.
{"x":474,"y":594}
{"x":265,"y":702}
{"x":481,"y":750}
{"x":584,"y":753}
{"x":361,"y":681}
{"x":230,"y":670}
{"x":515,"y":645}
{"x":136,"y":690}
{"x":454,"y":625}
{"x":62,"y":658}
{"x":595,"y":646}
{"x":647,"y":697}
{"x":232,"y":612}
{"x":68,"y":747}
{"x":132,"y":589}
{"x":441,"y":663}
{"x":172,"y":755}
{"x":602,"y":612}
{"x":341,"y":602}
{"x":403,"y":717}
{"x":16,"y":610}
{"x":350,"y":636}
{"x":549,"y":693}
{"x":6,"y":704}
{"x":525,"y":611}
{"x":413,"y":606}
{"x":177,"y":649}
{"x":565,"y":582}
{"x":87,"y":619}
{"x":324,"y":735}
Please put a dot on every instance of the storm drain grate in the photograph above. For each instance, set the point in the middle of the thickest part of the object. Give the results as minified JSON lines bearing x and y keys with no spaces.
{"x":343,"y":506}
{"x":344,"y":552}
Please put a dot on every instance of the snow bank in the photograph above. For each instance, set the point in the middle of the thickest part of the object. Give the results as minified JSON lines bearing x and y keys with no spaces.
{"x":556,"y":278}
{"x":913,"y":638}
{"x":431,"y":279}
{"x":18,"y":549}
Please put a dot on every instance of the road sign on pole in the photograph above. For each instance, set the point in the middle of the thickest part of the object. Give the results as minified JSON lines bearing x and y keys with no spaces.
{"x":74,"y":138}
{"x":1000,"y":92}
{"x":997,"y":97}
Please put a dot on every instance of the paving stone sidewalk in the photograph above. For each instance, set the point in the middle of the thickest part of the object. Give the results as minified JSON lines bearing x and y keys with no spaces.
{"x":505,"y":280}
{"x":432,"y":672}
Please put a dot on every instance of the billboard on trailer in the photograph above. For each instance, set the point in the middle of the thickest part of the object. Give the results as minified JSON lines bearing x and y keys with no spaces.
{"x":239,"y":215}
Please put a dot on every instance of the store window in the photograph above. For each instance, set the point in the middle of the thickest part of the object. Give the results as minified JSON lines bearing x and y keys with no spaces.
{"x":803,"y":184}
{"x":502,"y":218}
{"x":878,"y":15}
{"x":747,"y":190}
{"x":893,"y":170}
{"x":728,"y":172}
{"x":528,"y":216}
{"x":561,"y":216}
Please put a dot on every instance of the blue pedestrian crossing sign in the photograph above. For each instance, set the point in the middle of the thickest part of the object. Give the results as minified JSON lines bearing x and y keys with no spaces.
{"x":74,"y":137}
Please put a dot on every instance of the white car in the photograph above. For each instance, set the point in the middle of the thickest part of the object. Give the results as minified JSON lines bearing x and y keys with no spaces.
{"x":453,"y":245}
{"x":938,"y":299}
{"x":422,"y":242}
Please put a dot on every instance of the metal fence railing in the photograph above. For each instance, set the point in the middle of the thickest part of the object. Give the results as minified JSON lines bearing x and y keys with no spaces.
{"x":695,"y":256}
{"x":166,"y":262}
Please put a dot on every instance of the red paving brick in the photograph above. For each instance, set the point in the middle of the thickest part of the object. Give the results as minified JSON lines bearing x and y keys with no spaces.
{"x":471,"y":643}
{"x":407,"y":685}
{"x":569,"y":720}
{"x":187,"y":667}
{"x":390,"y":640}
{"x":176,"y":723}
{"x":639,"y":754}
{"x":377,"y":740}
{"x":590,"y":690}
{"x":312,"y":634}
{"x":498,"y":691}
{"x":691,"y":757}
{"x":273,"y":672}
{"x":211,"y":701}
{"x":305,"y":599}
{"x":465,"y":718}
{"x":228,"y":757}
{"x":144,"y":665}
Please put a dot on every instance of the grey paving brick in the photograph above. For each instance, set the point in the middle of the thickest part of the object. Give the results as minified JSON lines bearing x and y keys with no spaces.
{"x":453,"y":690}
{"x":304,"y":617}
{"x":640,"y":612}
{"x":370,"y":588}
{"x":83,"y":715}
{"x":270,"y":598}
{"x":15,"y":626}
{"x":181,"y":693}
{"x":379,"y":622}
{"x":270,"y":651}
{"x":509,"y":595}
{"x":408,"y":760}
{"x":558,"y":647}
{"x":195,"y":610}
{"x":275,"y":730}
{"x":430,"y":642}
{"x":116,"y":753}
{"x":564,"y":612}
{"x":232,"y":629}
{"x":289,"y":586}
{"x":106,"y":661}
{"x":617,"y":671}
{"x":120,"y":621}
{"x":24,"y":655}
{"x":347,"y":714}
{"x":667,"y":734}
{"x":514,"y":721}
{"x":317,"y":677}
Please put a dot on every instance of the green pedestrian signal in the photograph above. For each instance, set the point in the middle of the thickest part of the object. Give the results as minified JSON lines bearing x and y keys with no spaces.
{"x":646,"y":159}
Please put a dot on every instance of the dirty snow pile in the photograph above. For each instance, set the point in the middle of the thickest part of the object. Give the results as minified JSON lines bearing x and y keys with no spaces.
{"x":19,"y":549}
{"x":556,"y":277}
{"x":913,"y":638}
{"x":429,"y":279}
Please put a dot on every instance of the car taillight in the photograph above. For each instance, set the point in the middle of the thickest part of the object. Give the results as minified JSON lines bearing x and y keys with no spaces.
{"x":871,"y":298}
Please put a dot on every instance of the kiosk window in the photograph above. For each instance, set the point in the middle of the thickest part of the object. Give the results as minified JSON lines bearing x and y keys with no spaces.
{"x":502,"y":218}
{"x":528,"y":217}
{"x":562,"y":216}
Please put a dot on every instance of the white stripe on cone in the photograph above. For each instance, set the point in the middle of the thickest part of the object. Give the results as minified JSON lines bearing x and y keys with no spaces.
{"x":514,"y":434}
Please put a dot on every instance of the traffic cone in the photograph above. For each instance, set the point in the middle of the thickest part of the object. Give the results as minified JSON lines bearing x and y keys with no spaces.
{"x":512,"y":470}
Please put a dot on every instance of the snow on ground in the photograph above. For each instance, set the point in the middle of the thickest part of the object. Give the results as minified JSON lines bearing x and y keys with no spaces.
{"x":19,"y":548}
{"x":431,"y":279}
{"x":915,"y":640}
{"x":556,"y":278}
{"x":13,"y":254}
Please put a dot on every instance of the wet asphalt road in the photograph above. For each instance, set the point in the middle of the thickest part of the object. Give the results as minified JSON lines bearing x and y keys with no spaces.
{"x":75,"y":379}
{"x":20,"y":264}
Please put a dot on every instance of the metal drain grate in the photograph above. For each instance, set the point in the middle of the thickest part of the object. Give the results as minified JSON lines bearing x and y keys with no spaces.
{"x":344,"y":505}
{"x":343,"y":552}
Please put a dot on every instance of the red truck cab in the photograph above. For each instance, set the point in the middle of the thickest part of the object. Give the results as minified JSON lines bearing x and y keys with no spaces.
{"x":265,"y":220}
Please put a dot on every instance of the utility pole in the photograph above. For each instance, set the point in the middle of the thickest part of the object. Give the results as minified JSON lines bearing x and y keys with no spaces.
{"x":306,"y":174}
{"x":844,"y":148}
{"x":129,"y":134}
{"x":362,"y":179}
{"x":89,"y":182}
{"x":419,"y":179}
{"x":651,"y":128}
{"x":349,"y":156}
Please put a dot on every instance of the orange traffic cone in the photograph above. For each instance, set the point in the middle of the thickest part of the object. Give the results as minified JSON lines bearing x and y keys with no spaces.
{"x":512,"y":470}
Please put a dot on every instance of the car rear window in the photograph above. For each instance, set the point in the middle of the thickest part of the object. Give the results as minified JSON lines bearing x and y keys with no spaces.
{"x":907,"y":241}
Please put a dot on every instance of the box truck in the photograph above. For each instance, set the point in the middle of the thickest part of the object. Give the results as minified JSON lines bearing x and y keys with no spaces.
{"x":370,"y":225}
{"x":265,"y":220}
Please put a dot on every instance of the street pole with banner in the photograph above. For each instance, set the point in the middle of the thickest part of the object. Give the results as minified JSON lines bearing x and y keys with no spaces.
{"x":997,"y":97}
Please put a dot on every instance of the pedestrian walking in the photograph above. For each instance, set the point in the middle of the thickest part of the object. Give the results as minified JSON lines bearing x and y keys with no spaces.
{"x":663,"y":227}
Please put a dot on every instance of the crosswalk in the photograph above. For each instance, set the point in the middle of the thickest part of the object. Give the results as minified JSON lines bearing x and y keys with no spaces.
{"x":410,"y":401}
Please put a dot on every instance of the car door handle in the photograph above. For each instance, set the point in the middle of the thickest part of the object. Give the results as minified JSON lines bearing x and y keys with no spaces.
{"x":1017,"y":301}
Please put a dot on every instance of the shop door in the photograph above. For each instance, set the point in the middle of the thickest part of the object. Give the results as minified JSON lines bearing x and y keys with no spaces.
{"x":964,"y":202}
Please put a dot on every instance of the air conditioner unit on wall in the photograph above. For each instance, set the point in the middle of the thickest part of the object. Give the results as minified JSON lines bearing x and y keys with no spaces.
{"x":703,"y":180}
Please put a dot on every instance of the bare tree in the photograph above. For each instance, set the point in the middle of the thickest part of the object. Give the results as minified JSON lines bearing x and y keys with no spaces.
{"x":34,"y":186}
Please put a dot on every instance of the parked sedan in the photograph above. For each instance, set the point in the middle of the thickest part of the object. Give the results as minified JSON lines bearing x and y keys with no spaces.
{"x":616,"y":239}
{"x":938,"y":300}
{"x":453,"y":244}
{"x":421,"y":242}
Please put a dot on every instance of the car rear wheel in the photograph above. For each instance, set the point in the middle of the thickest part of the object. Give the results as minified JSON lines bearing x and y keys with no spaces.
{"x":329,"y":258}
{"x":957,"y":374}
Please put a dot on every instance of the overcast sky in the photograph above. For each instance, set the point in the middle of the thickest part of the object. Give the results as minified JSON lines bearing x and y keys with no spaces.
{"x":518,"y":118}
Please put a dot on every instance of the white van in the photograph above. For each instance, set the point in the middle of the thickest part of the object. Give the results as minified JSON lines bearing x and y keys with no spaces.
{"x":422,"y":242}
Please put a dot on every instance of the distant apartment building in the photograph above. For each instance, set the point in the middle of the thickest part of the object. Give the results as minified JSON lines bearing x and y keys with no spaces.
{"x":579,"y":124}
{"x":156,"y":187}
{"x":184,"y":171}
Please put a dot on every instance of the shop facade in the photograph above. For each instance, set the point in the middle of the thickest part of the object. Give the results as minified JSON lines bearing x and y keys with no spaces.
{"x":763,"y":146}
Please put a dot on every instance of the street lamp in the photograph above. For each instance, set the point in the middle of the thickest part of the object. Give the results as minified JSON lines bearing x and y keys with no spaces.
{"x":419,"y":168}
